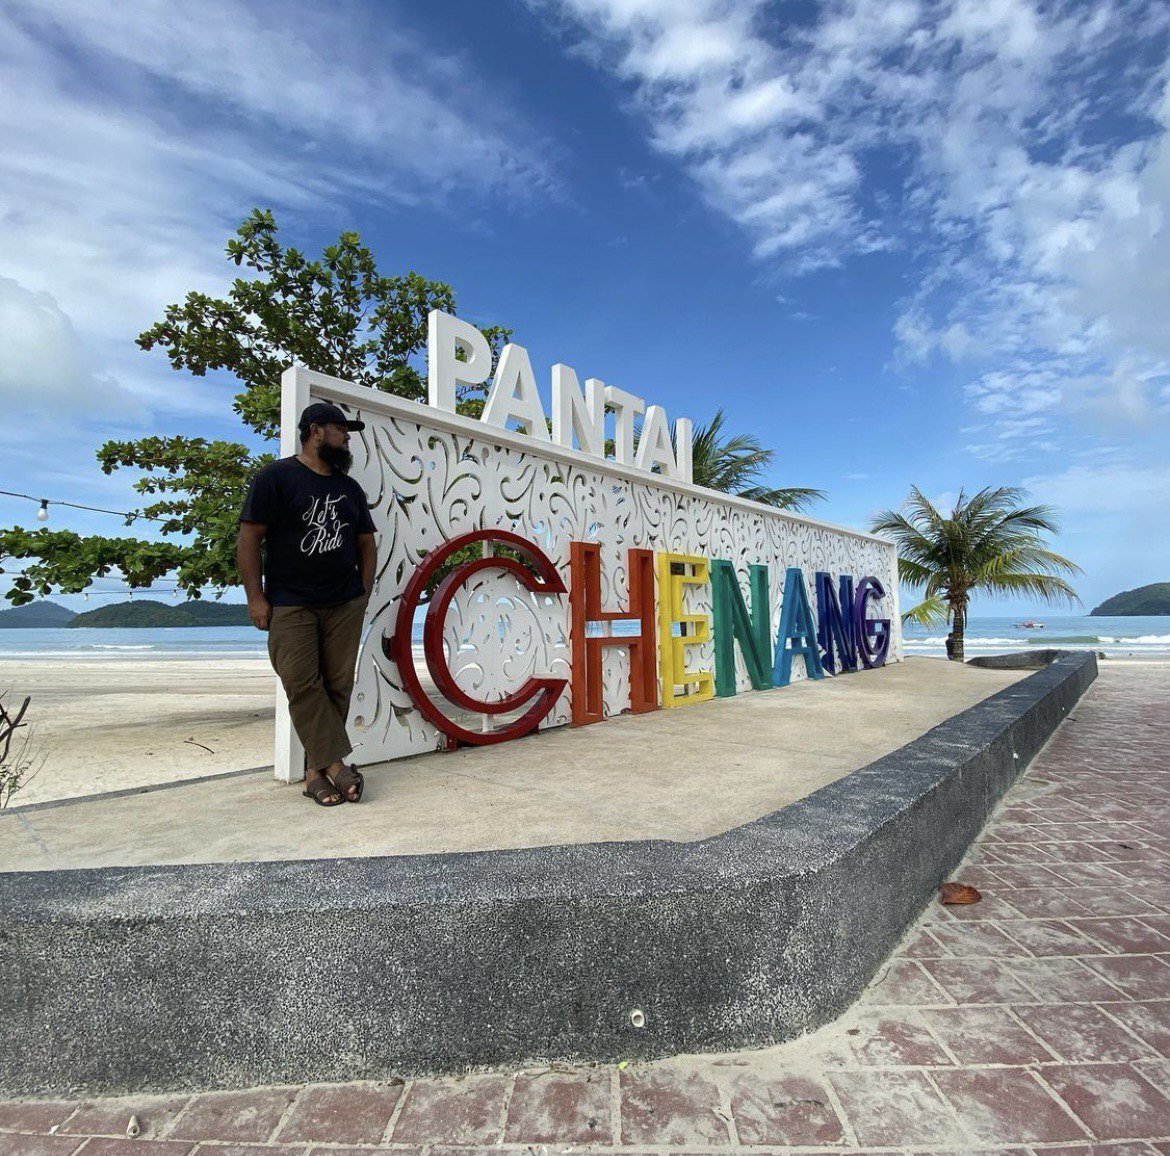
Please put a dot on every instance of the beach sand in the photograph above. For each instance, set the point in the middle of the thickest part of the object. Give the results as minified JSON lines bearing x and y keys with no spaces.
{"x":110,"y":726}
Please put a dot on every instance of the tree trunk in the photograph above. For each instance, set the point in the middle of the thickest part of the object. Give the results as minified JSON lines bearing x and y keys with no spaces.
{"x":955,"y":650}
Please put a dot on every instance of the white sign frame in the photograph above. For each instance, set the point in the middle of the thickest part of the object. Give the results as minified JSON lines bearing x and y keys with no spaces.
{"x":301,"y":386}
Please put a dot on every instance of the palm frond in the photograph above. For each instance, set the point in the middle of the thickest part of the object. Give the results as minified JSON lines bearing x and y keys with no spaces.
{"x":736,"y":464}
{"x":785,"y":498}
{"x":1041,"y":587}
{"x":928,"y":612}
{"x":911,"y":573}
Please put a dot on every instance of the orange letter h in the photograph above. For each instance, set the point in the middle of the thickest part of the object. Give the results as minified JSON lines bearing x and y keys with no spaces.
{"x":585,"y":602}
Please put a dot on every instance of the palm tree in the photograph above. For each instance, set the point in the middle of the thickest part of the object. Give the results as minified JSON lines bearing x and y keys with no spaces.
{"x":733,"y":465}
{"x":989,"y":542}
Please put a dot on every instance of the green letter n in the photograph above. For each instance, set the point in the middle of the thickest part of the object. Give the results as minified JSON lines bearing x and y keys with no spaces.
{"x":732,"y":624}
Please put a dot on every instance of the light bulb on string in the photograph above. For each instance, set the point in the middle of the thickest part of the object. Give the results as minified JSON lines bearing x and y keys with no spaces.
{"x":43,"y":512}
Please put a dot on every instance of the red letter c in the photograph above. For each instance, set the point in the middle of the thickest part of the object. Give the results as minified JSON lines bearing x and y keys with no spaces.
{"x":545,"y":691}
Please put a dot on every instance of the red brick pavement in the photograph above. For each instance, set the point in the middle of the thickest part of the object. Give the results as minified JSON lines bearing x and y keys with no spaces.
{"x":1037,"y":1021}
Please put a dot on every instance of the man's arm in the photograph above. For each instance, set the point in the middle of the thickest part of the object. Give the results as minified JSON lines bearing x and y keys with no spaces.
{"x":367,"y":560}
{"x":248,"y":564}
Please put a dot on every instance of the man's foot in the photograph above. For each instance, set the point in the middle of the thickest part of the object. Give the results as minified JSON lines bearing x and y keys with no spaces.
{"x":343,"y":781}
{"x":319,"y":788}
{"x":350,"y":782}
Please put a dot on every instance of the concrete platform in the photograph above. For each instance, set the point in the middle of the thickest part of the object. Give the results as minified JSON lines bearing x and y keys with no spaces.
{"x":210,"y":974}
{"x":1030,"y":1022}
{"x":681,"y":775}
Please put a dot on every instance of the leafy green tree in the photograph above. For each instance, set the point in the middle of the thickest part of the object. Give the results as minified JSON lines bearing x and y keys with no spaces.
{"x":336,"y":314}
{"x":988,"y":542}
{"x":734,"y":465}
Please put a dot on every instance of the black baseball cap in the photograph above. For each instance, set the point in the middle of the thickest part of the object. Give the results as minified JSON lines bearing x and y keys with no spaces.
{"x":325,"y":413}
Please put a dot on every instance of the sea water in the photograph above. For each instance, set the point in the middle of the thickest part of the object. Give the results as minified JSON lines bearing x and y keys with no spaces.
{"x":114,"y":644}
{"x":1130,"y":637}
{"x":1115,"y":637}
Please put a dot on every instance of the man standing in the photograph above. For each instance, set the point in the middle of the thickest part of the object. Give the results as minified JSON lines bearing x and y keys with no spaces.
{"x":319,"y":562}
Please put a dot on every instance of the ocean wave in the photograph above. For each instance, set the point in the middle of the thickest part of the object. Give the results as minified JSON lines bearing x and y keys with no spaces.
{"x":114,"y":646}
{"x":940,"y":641}
{"x":1033,"y":641}
{"x":145,"y":654}
{"x":972,"y":647}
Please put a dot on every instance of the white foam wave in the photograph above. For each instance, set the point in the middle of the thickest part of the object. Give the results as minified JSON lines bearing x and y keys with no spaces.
{"x":1033,"y":642}
{"x":939,"y":641}
{"x":113,"y":646}
{"x":90,"y":655}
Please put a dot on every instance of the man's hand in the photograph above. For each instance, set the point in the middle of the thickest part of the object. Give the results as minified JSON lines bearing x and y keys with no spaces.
{"x":248,"y":561}
{"x":260,"y":612}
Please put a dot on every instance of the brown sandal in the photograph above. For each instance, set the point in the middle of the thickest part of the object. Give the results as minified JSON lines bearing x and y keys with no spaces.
{"x":349,"y":778}
{"x":321,"y":790}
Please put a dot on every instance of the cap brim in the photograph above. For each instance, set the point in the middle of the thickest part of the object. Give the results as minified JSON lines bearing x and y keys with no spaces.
{"x":355,"y":425}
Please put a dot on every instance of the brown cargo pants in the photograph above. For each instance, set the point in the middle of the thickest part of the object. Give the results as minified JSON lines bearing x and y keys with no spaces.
{"x":314,"y":651}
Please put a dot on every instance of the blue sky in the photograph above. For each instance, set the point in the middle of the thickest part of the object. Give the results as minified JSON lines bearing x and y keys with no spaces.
{"x":901,"y":242}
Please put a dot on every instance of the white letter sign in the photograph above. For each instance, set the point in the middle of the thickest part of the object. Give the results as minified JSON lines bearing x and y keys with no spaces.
{"x":514,"y":397}
{"x":447,"y":335}
{"x":573,"y":413}
{"x":459,"y":354}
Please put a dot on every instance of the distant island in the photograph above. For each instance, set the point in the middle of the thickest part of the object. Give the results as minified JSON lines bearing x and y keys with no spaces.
{"x":1152,"y":600}
{"x":32,"y":615}
{"x":144,"y":614}
{"x":156,"y":614}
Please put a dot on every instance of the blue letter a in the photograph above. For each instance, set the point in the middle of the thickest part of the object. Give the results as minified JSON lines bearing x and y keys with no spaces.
{"x":797,"y":627}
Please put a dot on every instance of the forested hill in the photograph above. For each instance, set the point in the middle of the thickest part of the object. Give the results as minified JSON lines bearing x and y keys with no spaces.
{"x":156,"y":614}
{"x":35,"y":614}
{"x":1152,"y":599}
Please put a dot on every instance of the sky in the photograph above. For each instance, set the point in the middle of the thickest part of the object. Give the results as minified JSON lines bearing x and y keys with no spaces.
{"x":903,"y":243}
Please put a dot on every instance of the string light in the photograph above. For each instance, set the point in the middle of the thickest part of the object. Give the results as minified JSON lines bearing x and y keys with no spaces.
{"x":43,"y":516}
{"x":43,"y":512}
{"x":123,"y":591}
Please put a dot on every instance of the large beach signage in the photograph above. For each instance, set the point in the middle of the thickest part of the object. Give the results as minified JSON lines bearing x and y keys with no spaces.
{"x":587,"y":585}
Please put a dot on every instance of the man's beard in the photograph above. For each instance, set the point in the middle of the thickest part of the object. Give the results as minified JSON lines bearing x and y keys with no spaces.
{"x":338,"y":458}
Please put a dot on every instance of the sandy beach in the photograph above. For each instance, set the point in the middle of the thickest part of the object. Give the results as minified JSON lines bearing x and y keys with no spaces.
{"x":109,"y":726}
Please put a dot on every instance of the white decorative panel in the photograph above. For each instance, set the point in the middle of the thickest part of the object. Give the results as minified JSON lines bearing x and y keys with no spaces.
{"x":430,"y":476}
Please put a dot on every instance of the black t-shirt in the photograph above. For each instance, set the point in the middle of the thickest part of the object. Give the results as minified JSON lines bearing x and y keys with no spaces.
{"x":313,"y":522}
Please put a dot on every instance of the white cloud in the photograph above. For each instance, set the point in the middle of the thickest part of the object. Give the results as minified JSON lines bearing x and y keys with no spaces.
{"x":135,"y":136}
{"x":1109,"y":488}
{"x":40,"y":354}
{"x":752,"y":125}
{"x":1051,"y":250}
{"x":1017,"y":150}
{"x":1001,"y":392}
{"x":417,"y":118}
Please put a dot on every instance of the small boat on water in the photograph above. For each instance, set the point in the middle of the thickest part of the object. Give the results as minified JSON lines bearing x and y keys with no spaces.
{"x":1029,"y":625}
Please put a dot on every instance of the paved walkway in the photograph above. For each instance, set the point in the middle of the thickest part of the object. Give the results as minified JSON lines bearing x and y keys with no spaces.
{"x":1035,"y":1021}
